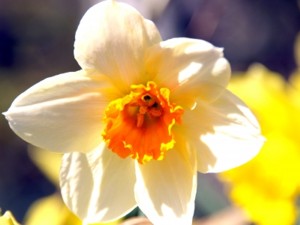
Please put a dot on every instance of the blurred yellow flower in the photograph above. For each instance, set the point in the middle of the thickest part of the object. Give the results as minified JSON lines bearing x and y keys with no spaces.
{"x":52,"y":211}
{"x":47,"y":161}
{"x":8,"y":219}
{"x":267,"y":186}
{"x":138,"y":120}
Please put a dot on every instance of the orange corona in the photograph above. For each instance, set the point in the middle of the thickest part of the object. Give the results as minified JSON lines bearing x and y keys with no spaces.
{"x":140,"y":124}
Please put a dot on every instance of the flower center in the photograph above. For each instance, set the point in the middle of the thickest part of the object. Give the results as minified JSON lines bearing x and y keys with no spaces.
{"x":140,"y":124}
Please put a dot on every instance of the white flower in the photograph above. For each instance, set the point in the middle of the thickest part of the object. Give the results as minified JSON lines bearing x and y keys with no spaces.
{"x":138,"y":121}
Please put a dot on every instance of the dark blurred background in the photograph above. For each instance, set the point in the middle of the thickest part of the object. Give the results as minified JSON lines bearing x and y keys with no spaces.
{"x":36,"y":41}
{"x":250,"y":31}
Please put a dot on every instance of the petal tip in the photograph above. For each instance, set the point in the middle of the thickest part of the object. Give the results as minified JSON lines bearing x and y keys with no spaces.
{"x":220,"y":49}
{"x":5,"y":114}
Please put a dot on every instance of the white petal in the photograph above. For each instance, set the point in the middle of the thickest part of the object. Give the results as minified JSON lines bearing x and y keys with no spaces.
{"x":191,"y":67}
{"x":76,"y":181}
{"x":61,"y":113}
{"x":98,"y":186}
{"x":166,"y":189}
{"x":113,"y":37}
{"x":224,"y":133}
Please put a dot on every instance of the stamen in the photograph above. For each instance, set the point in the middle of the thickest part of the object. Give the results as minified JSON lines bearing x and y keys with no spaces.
{"x":146,"y":98}
{"x":139,"y":125}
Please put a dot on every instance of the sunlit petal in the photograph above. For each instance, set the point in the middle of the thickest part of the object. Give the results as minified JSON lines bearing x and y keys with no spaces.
{"x":191,"y":67}
{"x":165,"y":190}
{"x":61,"y":113}
{"x":224,"y":133}
{"x":112,"y":38}
{"x":98,"y":186}
{"x":76,"y":181}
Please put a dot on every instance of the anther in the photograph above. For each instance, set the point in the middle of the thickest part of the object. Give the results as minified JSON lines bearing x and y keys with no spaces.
{"x":147,"y":98}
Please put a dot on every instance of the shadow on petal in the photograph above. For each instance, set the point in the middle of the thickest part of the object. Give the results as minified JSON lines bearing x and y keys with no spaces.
{"x":225,"y":133}
{"x":76,"y":181}
{"x":165,"y":190}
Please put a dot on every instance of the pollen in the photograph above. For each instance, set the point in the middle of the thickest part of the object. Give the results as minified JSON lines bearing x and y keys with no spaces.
{"x":139,"y":125}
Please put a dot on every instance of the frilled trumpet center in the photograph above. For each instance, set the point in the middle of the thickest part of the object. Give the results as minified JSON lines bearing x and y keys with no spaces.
{"x":140,"y":124}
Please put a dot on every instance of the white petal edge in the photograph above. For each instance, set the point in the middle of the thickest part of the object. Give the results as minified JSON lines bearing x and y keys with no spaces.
{"x":112,"y":38}
{"x":62,"y":113}
{"x":165,"y":190}
{"x":98,"y":186}
{"x":225,"y":133}
{"x":188,"y":66}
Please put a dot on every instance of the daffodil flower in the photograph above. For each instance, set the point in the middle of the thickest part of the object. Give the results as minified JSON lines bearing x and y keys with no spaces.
{"x":138,"y":120}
